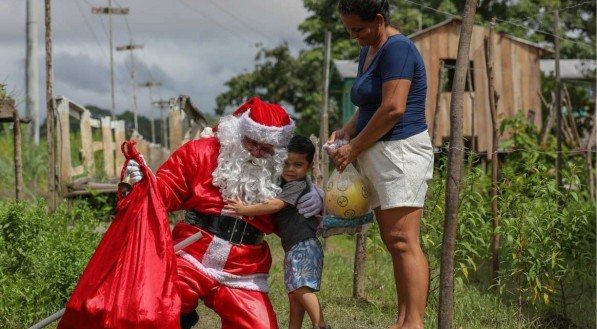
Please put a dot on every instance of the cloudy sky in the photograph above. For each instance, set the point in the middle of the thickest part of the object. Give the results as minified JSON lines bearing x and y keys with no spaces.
{"x":191,"y":46}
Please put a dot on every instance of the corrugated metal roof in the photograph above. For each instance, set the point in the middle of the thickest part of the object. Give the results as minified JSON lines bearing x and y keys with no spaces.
{"x":570,"y":69}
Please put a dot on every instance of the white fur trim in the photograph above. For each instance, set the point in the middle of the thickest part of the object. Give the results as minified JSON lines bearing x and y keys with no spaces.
{"x":254,"y":282}
{"x":277,"y":136}
{"x":216,"y":254}
{"x":207,"y":132}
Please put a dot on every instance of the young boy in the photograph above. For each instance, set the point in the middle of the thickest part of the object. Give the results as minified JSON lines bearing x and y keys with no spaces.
{"x":303,"y":259}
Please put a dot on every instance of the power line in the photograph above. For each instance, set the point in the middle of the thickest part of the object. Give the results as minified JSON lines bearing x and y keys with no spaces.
{"x":239,"y":20}
{"x":90,"y":29}
{"x":504,"y":21}
{"x":224,"y":27}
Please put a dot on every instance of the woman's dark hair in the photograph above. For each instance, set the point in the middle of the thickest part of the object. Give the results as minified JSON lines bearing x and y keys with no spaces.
{"x":302,"y":145}
{"x":365,"y":9}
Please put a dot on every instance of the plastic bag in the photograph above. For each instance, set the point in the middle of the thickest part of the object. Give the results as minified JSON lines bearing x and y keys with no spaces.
{"x":346,"y":204}
{"x":130,"y":281}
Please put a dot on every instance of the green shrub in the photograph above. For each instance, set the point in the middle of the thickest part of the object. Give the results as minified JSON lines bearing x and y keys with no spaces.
{"x":41,"y":258}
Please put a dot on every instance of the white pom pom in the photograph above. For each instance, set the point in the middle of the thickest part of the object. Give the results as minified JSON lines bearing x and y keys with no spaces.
{"x":207,"y":132}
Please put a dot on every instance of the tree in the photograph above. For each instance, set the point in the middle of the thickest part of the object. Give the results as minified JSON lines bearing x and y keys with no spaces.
{"x":296,"y":81}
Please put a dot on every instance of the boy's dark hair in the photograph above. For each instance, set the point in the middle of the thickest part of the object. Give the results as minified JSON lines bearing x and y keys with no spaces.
{"x":302,"y":145}
{"x":365,"y":9}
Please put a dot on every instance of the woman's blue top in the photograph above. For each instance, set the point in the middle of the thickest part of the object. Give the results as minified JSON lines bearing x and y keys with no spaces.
{"x":398,"y":58}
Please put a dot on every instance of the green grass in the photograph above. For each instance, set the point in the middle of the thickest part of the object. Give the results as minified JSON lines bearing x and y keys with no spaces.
{"x":475,"y":307}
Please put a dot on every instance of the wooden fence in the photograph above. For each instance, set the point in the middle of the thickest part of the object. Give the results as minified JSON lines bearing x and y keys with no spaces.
{"x":184,"y":121}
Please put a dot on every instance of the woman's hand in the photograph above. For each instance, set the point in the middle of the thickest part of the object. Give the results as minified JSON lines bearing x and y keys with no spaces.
{"x":338,"y":134}
{"x":344,"y":155}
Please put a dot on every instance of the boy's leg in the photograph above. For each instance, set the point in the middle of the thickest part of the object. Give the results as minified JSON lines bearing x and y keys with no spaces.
{"x":307,"y":298}
{"x":296,"y":313}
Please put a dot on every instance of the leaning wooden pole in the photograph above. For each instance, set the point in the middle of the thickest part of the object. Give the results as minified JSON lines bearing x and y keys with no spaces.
{"x":455,"y":161}
{"x":493,"y":99}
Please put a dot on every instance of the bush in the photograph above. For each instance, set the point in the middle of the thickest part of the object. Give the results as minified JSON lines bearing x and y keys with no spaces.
{"x":41,"y":258}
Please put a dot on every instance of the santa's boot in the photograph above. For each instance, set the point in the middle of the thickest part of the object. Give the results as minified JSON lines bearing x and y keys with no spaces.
{"x":188,"y":320}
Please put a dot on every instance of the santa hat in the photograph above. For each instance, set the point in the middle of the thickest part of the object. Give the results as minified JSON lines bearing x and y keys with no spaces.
{"x":264,"y":122}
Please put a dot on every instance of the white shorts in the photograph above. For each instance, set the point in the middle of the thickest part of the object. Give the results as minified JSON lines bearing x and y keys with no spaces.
{"x":397,"y":171}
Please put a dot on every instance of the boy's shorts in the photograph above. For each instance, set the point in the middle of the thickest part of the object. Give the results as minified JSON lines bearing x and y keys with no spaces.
{"x":303,"y":265}
{"x":397,"y":171}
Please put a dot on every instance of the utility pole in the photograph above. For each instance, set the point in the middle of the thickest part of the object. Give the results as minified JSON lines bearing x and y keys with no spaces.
{"x":162,"y":105}
{"x":149,"y":85}
{"x":52,"y":200}
{"x":132,"y":47}
{"x":111,"y":11}
{"x":32,"y":73}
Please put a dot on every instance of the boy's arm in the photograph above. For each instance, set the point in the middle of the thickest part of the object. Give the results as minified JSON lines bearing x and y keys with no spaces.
{"x":270,"y":206}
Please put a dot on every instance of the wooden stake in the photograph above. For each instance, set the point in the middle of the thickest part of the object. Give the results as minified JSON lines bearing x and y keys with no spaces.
{"x":453,"y":178}
{"x":438,"y":94}
{"x":493,"y":99}
{"x":18,"y":156}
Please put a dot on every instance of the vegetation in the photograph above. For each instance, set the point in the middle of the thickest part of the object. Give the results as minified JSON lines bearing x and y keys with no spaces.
{"x":547,"y":254}
{"x":296,"y":81}
{"x":41,"y":257}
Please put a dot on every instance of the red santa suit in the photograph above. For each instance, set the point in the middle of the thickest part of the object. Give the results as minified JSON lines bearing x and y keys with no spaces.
{"x":231,"y":278}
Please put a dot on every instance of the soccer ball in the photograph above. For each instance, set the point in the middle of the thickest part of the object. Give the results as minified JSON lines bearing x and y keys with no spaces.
{"x":346,"y":196}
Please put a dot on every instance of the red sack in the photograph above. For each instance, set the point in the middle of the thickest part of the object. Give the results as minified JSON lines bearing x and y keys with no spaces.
{"x":130,"y":281}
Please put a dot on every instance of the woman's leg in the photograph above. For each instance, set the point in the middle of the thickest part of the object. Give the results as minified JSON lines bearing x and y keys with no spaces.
{"x":307,"y":298}
{"x":399,"y":229}
{"x":296,"y":313}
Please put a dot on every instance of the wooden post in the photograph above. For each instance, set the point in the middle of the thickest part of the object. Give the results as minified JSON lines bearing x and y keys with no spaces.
{"x":558,"y":103}
{"x":437,"y":104}
{"x":324,"y":131}
{"x":589,"y":159}
{"x":471,"y":93}
{"x":108,"y":146}
{"x":51,"y":106}
{"x":64,"y":147}
{"x":453,"y":178}
{"x":119,"y":138}
{"x":358,"y":289}
{"x":87,"y":144}
{"x":551,"y":117}
{"x":571,"y":120}
{"x":18,"y":156}
{"x":175,"y":123}
{"x":493,"y":99}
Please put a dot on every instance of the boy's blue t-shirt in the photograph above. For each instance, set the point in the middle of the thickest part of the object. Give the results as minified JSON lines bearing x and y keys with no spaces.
{"x":398,"y":58}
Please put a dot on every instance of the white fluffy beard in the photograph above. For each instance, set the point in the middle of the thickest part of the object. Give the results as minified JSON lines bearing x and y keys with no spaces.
{"x":239,"y":175}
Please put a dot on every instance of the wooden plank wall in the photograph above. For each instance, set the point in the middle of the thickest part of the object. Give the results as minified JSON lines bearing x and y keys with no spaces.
{"x":517,"y":80}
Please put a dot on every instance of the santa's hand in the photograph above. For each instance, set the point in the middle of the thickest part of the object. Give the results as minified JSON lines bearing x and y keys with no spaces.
{"x":311,"y":203}
{"x":133,"y":171}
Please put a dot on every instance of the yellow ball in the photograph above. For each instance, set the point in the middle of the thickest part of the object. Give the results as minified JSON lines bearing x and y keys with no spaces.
{"x":346,"y":196}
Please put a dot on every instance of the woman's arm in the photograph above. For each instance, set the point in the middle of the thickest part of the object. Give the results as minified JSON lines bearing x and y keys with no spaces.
{"x":237,"y":207}
{"x":393,"y":106}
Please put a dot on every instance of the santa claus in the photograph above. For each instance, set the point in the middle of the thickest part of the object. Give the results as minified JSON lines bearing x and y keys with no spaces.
{"x":228,"y":268}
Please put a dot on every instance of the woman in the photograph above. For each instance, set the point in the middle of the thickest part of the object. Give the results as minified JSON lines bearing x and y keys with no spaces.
{"x":388,"y":135}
